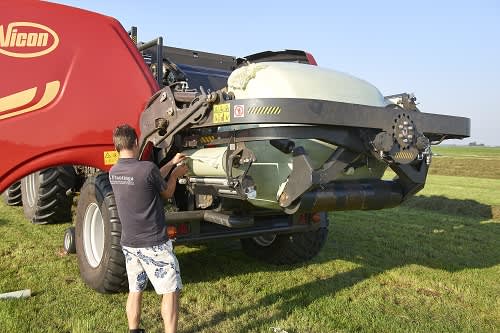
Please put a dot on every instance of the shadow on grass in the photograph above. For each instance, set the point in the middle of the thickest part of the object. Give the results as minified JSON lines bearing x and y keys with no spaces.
{"x":289,"y":300}
{"x":470,"y":208}
{"x":434,"y":232}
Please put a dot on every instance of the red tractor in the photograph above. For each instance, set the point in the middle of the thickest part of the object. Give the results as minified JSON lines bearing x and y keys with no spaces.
{"x":274,"y":141}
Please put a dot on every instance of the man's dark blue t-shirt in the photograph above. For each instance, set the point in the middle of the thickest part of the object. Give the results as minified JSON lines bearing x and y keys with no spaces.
{"x":137,"y":186}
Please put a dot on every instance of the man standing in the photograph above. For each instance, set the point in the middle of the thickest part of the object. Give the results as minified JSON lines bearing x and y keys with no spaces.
{"x":138,"y":187}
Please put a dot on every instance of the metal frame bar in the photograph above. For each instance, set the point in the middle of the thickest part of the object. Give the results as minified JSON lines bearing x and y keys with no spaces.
{"x":330,"y":113}
{"x":158,"y":43}
{"x":245,"y":233}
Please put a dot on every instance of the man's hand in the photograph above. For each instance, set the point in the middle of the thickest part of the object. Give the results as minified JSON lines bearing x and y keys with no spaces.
{"x":178,"y":158}
{"x":179,"y":171}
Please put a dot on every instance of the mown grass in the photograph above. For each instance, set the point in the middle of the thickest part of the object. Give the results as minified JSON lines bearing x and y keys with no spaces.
{"x":431,"y":265}
{"x":480,"y":162}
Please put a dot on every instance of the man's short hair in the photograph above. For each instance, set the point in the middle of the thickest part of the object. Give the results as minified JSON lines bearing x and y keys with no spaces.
{"x":124,"y":137}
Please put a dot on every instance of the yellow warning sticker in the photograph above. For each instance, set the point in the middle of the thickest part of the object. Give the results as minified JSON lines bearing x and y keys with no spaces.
{"x":110,"y":157}
{"x":222,"y":113}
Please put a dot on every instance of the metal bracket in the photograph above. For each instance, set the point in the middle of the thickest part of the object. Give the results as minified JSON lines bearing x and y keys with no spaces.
{"x":303,"y":177}
{"x":300,"y":179}
{"x":162,"y":119}
{"x":411,"y":178}
{"x":237,"y":152}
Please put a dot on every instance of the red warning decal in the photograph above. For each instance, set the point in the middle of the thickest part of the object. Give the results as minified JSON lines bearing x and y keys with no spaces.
{"x":239,"y":111}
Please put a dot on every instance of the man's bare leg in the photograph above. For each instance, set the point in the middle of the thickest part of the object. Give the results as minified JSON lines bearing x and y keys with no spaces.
{"x":134,"y":309}
{"x":169,"y":309}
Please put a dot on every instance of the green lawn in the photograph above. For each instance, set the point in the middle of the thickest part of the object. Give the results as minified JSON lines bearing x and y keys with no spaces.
{"x":431,"y":265}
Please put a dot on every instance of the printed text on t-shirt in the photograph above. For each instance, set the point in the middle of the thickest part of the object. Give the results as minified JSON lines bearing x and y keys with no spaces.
{"x":121,"y":180}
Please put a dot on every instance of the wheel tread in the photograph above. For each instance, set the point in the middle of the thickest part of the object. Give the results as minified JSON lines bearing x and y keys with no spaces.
{"x":112,"y":277}
{"x":12,"y":196}
{"x":52,"y":204}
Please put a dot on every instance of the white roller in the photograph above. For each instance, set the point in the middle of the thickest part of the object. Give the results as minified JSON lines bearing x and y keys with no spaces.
{"x":208,"y":162}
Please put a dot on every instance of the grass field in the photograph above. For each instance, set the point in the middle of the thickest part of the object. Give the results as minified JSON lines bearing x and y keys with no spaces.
{"x":480,"y":162}
{"x":431,"y":265}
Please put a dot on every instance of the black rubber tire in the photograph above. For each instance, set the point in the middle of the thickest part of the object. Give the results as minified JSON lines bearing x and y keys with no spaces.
{"x":109,"y":275}
{"x":12,"y":196}
{"x":69,"y":243}
{"x":49,"y":202}
{"x":289,"y":248}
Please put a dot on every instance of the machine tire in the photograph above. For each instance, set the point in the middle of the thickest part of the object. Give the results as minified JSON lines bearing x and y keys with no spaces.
{"x":12,"y":196}
{"x":98,"y":231}
{"x":69,"y":240}
{"x":44,"y":195}
{"x":288,"y":248}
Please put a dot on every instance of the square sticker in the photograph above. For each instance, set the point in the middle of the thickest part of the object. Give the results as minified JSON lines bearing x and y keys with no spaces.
{"x":239,"y":111}
{"x":221,"y":113}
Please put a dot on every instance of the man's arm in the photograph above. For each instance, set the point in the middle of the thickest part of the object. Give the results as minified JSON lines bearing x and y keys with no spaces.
{"x":178,"y":172}
{"x":164,"y":170}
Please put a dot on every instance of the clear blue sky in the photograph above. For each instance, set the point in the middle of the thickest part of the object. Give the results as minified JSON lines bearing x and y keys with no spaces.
{"x":446,"y":52}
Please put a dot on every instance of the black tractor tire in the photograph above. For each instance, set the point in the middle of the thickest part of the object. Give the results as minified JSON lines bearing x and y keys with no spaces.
{"x":98,"y":231}
{"x":12,"y":196}
{"x":287,"y":249}
{"x":44,"y":194}
{"x":70,"y":240}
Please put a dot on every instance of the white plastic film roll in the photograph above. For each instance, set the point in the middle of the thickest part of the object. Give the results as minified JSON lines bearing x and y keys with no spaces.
{"x":206,"y":162}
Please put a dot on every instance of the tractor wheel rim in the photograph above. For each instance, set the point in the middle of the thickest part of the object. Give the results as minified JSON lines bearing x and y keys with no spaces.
{"x":93,"y":235}
{"x":31,"y":192}
{"x":67,"y":240}
{"x":265,"y":240}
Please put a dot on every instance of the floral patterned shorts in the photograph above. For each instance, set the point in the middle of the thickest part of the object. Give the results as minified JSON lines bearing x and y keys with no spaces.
{"x":157,"y":263}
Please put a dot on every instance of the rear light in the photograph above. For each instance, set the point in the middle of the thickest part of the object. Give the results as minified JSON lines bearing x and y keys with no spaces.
{"x":182,"y":229}
{"x":309,"y":218}
{"x":310,"y":59}
{"x":174,"y":230}
{"x":171,"y":232}
{"x":316,"y":218}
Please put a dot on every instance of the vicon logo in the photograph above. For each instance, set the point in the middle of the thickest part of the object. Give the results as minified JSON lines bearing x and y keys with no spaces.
{"x":27,"y":40}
